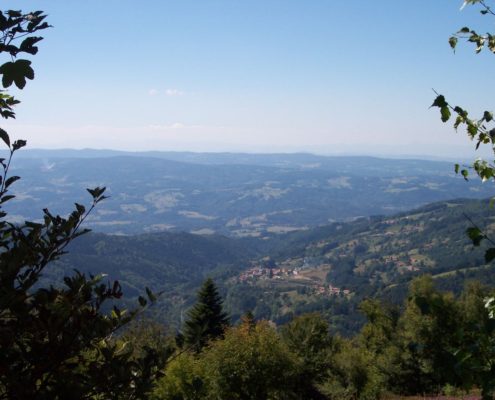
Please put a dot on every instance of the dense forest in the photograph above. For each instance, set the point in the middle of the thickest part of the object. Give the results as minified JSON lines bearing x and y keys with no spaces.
{"x":432,"y":343}
{"x":279,"y":277}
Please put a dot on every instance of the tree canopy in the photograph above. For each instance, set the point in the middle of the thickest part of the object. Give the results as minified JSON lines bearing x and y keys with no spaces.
{"x":480,"y":129}
{"x":206,"y":320}
{"x":56,"y":341}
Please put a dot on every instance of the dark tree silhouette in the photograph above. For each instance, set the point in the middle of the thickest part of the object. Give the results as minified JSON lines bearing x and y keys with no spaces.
{"x":206,"y":320}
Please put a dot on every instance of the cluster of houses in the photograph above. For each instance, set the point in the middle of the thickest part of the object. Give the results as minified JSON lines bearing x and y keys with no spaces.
{"x":256,"y":273}
{"x":408,"y":266}
{"x":331,"y":290}
{"x":409,"y":228}
{"x":262,"y":273}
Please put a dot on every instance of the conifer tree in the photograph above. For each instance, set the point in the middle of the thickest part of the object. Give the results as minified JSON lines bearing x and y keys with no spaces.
{"x":206,"y":320}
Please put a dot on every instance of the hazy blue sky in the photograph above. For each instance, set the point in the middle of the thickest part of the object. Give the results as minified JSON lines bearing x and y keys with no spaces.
{"x":325,"y":76}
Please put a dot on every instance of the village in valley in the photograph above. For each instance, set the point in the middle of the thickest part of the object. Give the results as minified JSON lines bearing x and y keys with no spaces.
{"x":312,"y":277}
{"x":387,"y":251}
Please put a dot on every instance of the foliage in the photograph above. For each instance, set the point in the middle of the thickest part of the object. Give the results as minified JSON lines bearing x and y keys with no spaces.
{"x":430,"y":238}
{"x":480,"y":357}
{"x":355,"y":375}
{"x":56,"y":341}
{"x":183,"y":380}
{"x":436,"y":343}
{"x":250,"y":363}
{"x":476,"y":351}
{"x":145,"y":335}
{"x":206,"y":320}
{"x":481,"y":129}
{"x":308,"y":336}
{"x":428,"y":337}
{"x":413,"y":350}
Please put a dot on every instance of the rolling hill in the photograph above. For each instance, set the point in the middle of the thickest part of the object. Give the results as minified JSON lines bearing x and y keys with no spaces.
{"x":329,"y":269}
{"x":237,"y":195}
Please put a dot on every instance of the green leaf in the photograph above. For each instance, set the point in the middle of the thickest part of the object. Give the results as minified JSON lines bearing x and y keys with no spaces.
{"x":5,"y":137}
{"x":6,"y":198}
{"x":116,"y":313}
{"x":80,"y":208}
{"x":453,"y":42}
{"x":456,"y":168}
{"x":16,"y":72}
{"x":96,"y":192}
{"x":439,"y":102}
{"x":14,"y":13}
{"x":116,"y":289}
{"x":151,"y":295}
{"x":459,"y":110}
{"x":445,"y":113}
{"x":475,"y":235}
{"x":33,"y":225}
{"x":27,"y":44}
{"x":18,"y":144}
{"x":11,"y":180}
{"x":490,"y":254}
{"x":142,"y":301}
{"x":465,"y":174}
{"x":472,"y":128}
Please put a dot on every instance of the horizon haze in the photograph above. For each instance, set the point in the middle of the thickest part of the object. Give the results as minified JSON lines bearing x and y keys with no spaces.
{"x":323,"y":77}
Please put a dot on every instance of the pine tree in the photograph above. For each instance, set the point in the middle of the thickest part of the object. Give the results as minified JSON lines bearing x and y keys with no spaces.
{"x":206,"y":320}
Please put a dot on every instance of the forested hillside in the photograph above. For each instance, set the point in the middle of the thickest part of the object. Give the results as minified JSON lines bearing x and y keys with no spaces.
{"x":332,"y":269}
{"x":282,"y":276}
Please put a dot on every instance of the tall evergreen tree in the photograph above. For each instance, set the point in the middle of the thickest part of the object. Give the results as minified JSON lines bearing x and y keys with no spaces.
{"x":206,"y":320}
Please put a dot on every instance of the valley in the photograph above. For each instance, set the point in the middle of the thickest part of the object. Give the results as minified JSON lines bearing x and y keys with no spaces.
{"x":329,"y":269}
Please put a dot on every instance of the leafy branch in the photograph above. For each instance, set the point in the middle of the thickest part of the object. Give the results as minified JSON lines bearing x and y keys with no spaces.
{"x":56,"y":342}
{"x":481,"y":130}
{"x":481,"y":41}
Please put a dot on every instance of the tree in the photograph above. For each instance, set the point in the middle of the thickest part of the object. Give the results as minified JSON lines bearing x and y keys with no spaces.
{"x":308,"y":338}
{"x":183,"y":379}
{"x":428,"y":330}
{"x":250,"y":363}
{"x":354,"y":374}
{"x":55,"y":342}
{"x":477,"y":349}
{"x":206,"y":320}
{"x":482,"y":131}
{"x":379,"y":337}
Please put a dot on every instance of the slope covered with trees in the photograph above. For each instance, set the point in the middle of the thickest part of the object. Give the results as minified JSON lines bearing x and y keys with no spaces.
{"x":374,"y":257}
{"x":423,"y":347}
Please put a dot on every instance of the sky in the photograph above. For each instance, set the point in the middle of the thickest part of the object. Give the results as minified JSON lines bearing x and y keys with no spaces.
{"x":321,"y":76}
